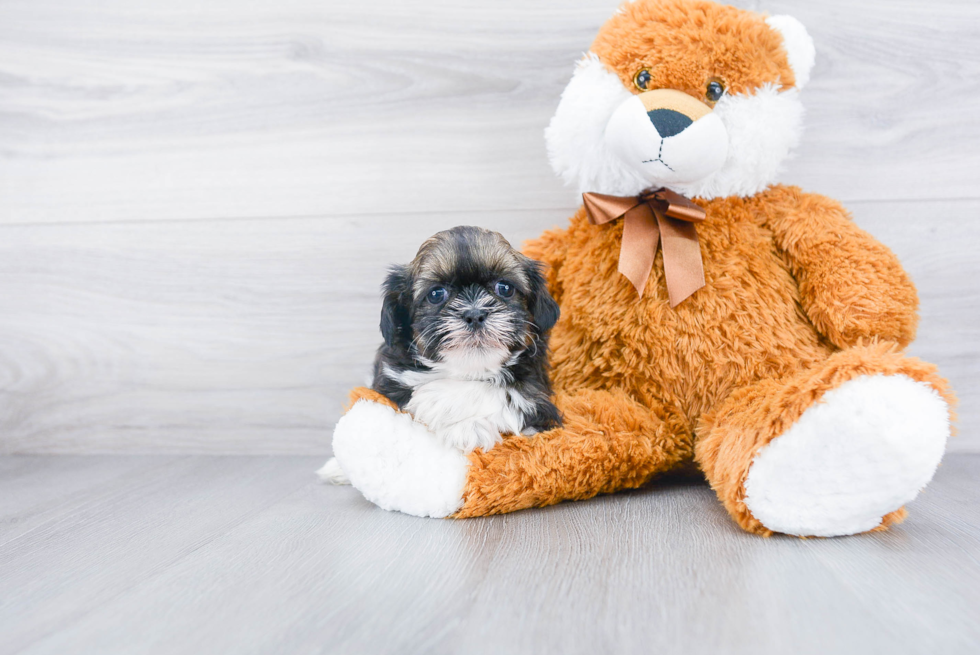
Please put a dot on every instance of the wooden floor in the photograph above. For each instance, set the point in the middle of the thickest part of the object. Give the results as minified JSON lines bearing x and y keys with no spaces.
{"x":203,"y":554}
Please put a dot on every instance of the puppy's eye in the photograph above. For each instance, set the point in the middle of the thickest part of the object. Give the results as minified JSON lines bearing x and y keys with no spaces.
{"x":714,"y":90}
{"x":436,"y":295}
{"x":642,"y":79}
{"x":504,"y":289}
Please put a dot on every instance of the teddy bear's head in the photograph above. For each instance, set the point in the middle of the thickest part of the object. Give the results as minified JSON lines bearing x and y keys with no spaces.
{"x":686,"y":94}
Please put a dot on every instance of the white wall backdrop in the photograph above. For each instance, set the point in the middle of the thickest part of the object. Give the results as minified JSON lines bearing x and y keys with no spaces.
{"x":198,"y":199}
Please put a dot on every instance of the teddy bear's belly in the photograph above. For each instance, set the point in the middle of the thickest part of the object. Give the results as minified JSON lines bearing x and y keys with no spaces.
{"x":744,"y":325}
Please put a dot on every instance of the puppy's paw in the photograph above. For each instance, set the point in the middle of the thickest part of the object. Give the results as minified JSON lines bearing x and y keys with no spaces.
{"x":331,"y":473}
{"x":471,"y":433}
{"x":398,"y":464}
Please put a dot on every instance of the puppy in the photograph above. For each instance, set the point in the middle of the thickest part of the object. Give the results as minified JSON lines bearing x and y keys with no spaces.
{"x":465,"y":329}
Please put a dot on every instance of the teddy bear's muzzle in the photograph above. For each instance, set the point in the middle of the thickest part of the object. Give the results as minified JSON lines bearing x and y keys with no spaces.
{"x":668,"y":137}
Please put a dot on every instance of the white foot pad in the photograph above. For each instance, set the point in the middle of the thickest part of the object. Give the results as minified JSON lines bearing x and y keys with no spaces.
{"x":867,"y":448}
{"x":397,"y":463}
{"x":331,"y":473}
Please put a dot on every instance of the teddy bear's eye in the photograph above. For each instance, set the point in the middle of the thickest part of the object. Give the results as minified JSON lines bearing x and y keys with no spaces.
{"x":715,"y":90}
{"x":642,"y":79}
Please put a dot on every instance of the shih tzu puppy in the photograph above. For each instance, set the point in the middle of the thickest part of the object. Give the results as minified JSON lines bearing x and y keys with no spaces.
{"x":465,"y":329}
{"x":466,"y":339}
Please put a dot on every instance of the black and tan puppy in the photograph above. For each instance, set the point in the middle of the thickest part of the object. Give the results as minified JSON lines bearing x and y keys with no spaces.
{"x":465,"y":328}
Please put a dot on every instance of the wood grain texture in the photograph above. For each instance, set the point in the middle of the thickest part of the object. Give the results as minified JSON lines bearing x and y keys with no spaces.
{"x":182,"y":110}
{"x":197,"y":202}
{"x":127,"y":528}
{"x":204,"y":336}
{"x":245,"y":336}
{"x":248,"y":555}
{"x":37,"y":491}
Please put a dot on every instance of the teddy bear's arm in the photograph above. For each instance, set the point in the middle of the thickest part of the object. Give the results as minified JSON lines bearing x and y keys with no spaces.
{"x":550,"y":248}
{"x":852,"y":287}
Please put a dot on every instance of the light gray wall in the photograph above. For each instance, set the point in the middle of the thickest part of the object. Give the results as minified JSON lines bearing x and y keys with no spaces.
{"x":198,"y":200}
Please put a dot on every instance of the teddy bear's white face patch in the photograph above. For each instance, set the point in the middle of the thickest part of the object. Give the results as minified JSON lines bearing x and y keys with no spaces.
{"x":601,"y":140}
{"x":664,"y":146}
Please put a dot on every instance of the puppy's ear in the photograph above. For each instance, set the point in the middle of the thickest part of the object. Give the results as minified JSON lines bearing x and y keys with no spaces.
{"x":542,"y":305}
{"x":396,"y":318}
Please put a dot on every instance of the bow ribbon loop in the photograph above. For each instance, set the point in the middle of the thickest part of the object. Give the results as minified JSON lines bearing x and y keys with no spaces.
{"x":654,"y":217}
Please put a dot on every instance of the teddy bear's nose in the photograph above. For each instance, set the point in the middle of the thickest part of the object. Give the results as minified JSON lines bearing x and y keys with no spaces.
{"x":668,"y":122}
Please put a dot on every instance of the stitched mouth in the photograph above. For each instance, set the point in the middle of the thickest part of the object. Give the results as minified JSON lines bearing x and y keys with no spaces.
{"x":660,"y":153}
{"x":658,"y":160}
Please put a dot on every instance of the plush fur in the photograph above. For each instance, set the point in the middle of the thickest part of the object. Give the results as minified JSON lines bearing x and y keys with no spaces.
{"x":405,"y":467}
{"x":783,"y":379}
{"x":826,"y":475}
{"x":696,"y":42}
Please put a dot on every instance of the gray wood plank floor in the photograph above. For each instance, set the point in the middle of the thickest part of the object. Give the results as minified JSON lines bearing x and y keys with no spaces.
{"x":198,"y":554}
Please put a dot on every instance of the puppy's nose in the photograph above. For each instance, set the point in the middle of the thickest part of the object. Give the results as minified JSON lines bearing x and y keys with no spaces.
{"x":475,"y":317}
{"x":668,"y":122}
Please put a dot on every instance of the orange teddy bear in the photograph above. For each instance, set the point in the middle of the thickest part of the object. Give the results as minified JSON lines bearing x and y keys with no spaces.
{"x":752,"y":330}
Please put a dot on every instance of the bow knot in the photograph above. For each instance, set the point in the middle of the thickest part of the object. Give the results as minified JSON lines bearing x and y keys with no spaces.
{"x":653,"y":217}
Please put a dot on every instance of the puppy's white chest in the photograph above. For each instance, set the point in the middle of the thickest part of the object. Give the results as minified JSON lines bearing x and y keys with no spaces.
{"x":467,"y":414}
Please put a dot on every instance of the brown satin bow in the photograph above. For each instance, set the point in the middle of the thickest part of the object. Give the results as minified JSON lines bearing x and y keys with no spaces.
{"x":653,"y":216}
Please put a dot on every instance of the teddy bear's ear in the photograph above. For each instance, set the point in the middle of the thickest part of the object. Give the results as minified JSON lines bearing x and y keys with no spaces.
{"x":798,"y":44}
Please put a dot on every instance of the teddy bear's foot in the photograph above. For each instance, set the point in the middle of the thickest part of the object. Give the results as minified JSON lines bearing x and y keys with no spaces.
{"x":332,"y":473}
{"x":396,"y":463}
{"x":860,"y":453}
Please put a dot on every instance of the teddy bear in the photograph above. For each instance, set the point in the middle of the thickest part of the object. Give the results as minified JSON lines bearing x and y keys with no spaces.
{"x":710,"y":317}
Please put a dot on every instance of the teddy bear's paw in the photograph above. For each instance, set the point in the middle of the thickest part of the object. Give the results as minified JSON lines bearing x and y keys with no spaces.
{"x":331,"y":473}
{"x":865,"y":449}
{"x":397,"y":464}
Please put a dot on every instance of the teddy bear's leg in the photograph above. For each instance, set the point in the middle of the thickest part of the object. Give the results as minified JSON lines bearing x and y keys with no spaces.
{"x":608,"y":442}
{"x":837,"y":449}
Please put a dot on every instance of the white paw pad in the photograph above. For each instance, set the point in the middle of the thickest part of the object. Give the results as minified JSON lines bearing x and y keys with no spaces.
{"x":331,"y":473}
{"x":864,"y":450}
{"x":397,"y":464}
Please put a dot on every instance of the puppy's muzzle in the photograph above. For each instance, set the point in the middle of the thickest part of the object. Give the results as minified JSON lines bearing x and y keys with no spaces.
{"x":475,"y":318}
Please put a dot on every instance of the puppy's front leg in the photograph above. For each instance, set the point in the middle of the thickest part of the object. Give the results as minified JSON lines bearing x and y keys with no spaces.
{"x":462,"y":413}
{"x":470,"y":434}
